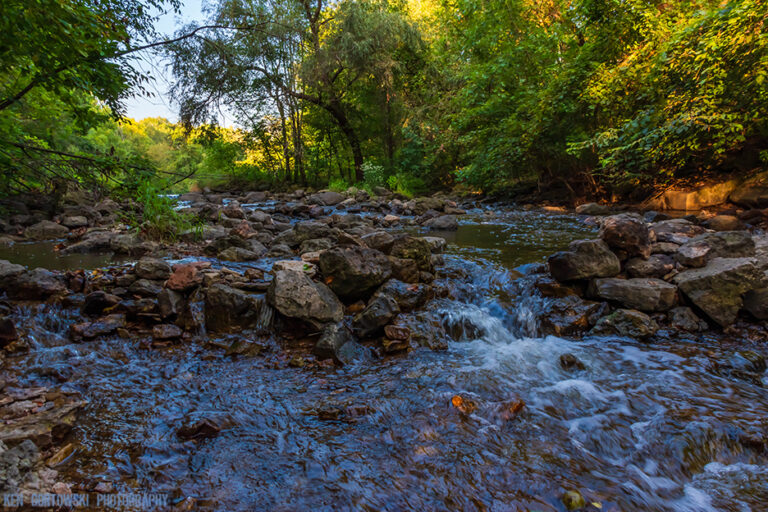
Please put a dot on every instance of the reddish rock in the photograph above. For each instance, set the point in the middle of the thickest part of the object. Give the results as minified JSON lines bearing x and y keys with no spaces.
{"x":187,"y":276}
{"x":396,"y":332}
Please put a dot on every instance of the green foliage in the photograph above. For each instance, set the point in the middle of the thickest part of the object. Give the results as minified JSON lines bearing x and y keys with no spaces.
{"x":373,"y":175}
{"x":159,"y":219}
{"x":338,"y":185}
{"x":406,"y":185}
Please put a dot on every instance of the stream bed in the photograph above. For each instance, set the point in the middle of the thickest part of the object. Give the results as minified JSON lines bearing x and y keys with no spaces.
{"x":642,"y":427}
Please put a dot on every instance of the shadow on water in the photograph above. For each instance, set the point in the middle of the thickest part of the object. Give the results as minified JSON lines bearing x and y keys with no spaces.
{"x":640,"y":428}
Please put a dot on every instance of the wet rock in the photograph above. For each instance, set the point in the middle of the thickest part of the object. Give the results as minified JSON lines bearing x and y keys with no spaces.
{"x":756,"y":303}
{"x":664,"y":248}
{"x":391,"y":346}
{"x":627,"y":235}
{"x":407,"y":296}
{"x":397,"y":332}
{"x":145,"y":288}
{"x":37,"y":284}
{"x":753,"y":193}
{"x":101,"y":327}
{"x":338,"y":343}
{"x":233,"y":210}
{"x":676,"y":231}
{"x":421,"y":205}
{"x":684,"y":319}
{"x":654,"y":216}
{"x":413,"y":248}
{"x":326,"y":198}
{"x":8,"y":331}
{"x":92,"y":242}
{"x":404,"y":270}
{"x":152,"y":268}
{"x":724,"y":223}
{"x":192,"y":317}
{"x":443,"y":223}
{"x":657,"y":265}
{"x":354,"y":272}
{"x":170,"y":303}
{"x":744,"y":365}
{"x":436,"y":244}
{"x":228,"y":309}
{"x":626,"y":322}
{"x":46,"y":230}
{"x":381,"y":309}
{"x":15,"y":464}
{"x":549,"y":287}
{"x":725,"y":244}
{"x":570,"y":362}
{"x":379,"y":240}
{"x":645,"y":294}
{"x":573,"y":500}
{"x":570,"y":316}
{"x":164,"y":332}
{"x":584,"y":259}
{"x":295,"y":295}
{"x":592,"y":209}
{"x":238,"y":254}
{"x":717,"y":289}
{"x":187,"y":276}
{"x":200,"y":429}
{"x":10,"y":270}
{"x":96,"y":302}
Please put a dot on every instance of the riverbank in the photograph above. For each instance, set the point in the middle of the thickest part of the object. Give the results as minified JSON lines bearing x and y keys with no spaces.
{"x":332,"y":285}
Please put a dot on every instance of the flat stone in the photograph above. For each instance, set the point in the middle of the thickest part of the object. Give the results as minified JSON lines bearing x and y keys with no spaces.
{"x":645,"y":294}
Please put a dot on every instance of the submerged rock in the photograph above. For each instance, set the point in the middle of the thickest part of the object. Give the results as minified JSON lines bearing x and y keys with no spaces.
{"x":626,"y":322}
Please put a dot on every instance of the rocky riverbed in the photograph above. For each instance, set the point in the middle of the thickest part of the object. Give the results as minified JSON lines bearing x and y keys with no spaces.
{"x":339,"y":351}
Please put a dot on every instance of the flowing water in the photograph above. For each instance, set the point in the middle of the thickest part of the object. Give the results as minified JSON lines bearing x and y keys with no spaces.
{"x":640,"y":428}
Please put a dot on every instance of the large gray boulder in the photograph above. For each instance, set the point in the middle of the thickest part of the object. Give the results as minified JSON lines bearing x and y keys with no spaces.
{"x":584,"y":259}
{"x":228,"y":309}
{"x":725,"y":244}
{"x":626,"y":235}
{"x":412,"y":248}
{"x":326,"y":198}
{"x":718,"y":288}
{"x":354,"y":272}
{"x":295,"y":295}
{"x":46,"y":230}
{"x":645,"y":294}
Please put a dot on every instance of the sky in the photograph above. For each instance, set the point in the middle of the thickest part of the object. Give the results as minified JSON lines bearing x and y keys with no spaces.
{"x":159,"y":105}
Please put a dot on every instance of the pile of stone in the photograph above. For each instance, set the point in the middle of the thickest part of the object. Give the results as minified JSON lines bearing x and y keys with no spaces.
{"x":639,"y":276}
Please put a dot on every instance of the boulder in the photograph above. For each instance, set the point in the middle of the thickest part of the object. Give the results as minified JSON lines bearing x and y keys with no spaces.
{"x":165,"y":332}
{"x":296,"y":266}
{"x":436,"y":244}
{"x":187,"y":276}
{"x":315,"y":245}
{"x":626,"y":322}
{"x":407,"y":296}
{"x":753,"y":193}
{"x":228,"y":309}
{"x":645,"y":294}
{"x":37,"y":284}
{"x":354,"y":272}
{"x":338,"y":343}
{"x":152,"y":268}
{"x":381,"y":309}
{"x":379,"y":240}
{"x":145,"y":288}
{"x":756,"y":303}
{"x":724,"y":244}
{"x":46,"y":230}
{"x":717,"y":288}
{"x":413,"y":248}
{"x":98,"y":241}
{"x":570,"y":315}
{"x":676,"y":231}
{"x":74,"y":221}
{"x":691,"y":200}
{"x":724,"y":223}
{"x":684,"y":319}
{"x":130,"y":244}
{"x":657,"y":265}
{"x":233,"y":210}
{"x":101,"y":327}
{"x":170,"y":303}
{"x":443,"y":223}
{"x":96,"y":302}
{"x":295,"y":295}
{"x":584,"y":259}
{"x":626,"y":235}
{"x":404,"y":270}
{"x":326,"y":198}
{"x":10,"y":270}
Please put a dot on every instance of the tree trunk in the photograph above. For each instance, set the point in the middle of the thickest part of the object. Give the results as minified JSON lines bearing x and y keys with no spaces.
{"x":335,"y":109}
